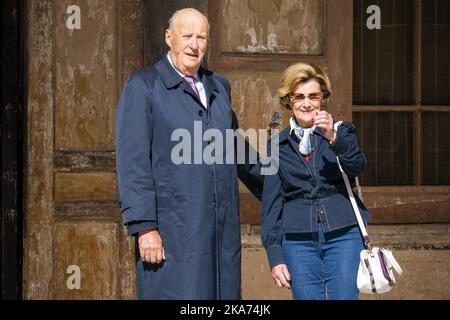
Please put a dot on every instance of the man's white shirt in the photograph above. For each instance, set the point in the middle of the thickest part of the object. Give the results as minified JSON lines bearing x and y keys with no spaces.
{"x":198,"y":83}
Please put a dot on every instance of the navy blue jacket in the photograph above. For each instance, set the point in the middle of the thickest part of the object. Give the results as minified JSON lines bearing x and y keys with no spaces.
{"x":194,"y":206}
{"x":303,"y":192}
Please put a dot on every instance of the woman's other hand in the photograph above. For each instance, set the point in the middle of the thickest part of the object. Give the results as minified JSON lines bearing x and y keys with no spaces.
{"x":281,"y":276}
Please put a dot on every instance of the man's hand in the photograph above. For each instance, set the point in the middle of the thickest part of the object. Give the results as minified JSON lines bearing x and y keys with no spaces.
{"x":281,"y":276}
{"x":151,"y":247}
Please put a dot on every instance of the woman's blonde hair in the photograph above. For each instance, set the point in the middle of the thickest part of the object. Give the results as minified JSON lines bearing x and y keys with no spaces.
{"x":299,"y":73}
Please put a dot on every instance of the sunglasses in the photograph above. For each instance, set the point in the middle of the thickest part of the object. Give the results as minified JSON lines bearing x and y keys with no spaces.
{"x":300,"y":98}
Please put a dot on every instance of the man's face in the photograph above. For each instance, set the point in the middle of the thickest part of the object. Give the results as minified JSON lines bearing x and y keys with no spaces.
{"x":187,"y":42}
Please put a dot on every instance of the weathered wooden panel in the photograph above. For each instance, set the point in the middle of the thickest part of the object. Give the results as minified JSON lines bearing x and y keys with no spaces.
{"x":85,"y":161}
{"x":106,"y":210}
{"x":86,"y":76}
{"x":91,"y":246}
{"x":274,"y":26}
{"x":85,"y":187}
{"x":38,"y":264}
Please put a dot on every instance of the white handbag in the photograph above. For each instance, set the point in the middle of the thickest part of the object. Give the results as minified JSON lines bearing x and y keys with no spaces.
{"x":375,"y":272}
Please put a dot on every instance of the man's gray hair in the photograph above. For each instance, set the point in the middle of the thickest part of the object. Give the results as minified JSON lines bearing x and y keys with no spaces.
{"x":174,"y":17}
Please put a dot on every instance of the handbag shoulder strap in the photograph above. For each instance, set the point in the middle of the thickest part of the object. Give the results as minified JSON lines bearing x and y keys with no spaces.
{"x":358,"y":189}
{"x":351,"y":196}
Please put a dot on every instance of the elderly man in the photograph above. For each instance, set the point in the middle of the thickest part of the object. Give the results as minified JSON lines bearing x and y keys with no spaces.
{"x":185,"y":215}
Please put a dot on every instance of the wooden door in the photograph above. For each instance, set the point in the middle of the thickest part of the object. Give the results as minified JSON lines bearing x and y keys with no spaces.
{"x":73,"y":224}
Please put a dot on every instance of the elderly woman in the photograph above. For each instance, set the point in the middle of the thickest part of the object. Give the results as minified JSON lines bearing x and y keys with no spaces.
{"x":309,"y":229}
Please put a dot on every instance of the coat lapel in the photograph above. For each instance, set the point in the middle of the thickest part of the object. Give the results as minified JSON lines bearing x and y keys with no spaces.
{"x":172,"y":80}
{"x":187,"y":89}
{"x":211,"y":89}
{"x":168,"y":75}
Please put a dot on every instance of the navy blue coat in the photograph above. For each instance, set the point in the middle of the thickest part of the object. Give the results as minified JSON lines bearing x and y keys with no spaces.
{"x":304,"y":192}
{"x":195,"y":206}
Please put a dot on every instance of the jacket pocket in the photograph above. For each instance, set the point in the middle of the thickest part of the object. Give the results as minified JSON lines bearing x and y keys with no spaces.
{"x":173,"y":188}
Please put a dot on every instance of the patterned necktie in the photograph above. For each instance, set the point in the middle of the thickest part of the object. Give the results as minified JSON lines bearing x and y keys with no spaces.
{"x":191,"y":81}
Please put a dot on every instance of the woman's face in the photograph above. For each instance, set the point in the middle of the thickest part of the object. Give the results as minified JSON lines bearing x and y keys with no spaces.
{"x":306,"y":100}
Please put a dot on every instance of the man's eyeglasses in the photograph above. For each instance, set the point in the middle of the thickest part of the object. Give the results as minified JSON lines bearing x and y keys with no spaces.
{"x":300,"y":98}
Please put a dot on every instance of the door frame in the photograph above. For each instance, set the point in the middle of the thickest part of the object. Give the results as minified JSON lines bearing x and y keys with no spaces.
{"x":12,"y":126}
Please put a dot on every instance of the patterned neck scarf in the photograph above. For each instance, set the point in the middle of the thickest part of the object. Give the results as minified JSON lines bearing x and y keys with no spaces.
{"x":303,"y":134}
